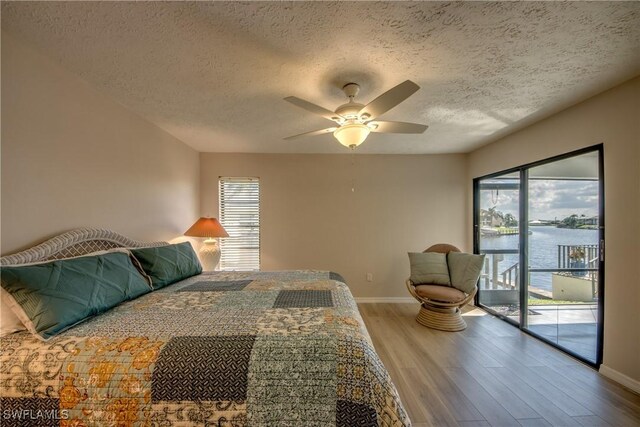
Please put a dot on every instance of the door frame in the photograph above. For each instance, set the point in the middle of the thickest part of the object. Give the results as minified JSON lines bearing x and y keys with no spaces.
{"x":523,"y":201}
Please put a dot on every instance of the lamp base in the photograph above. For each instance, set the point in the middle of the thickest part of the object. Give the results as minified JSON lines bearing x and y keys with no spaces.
{"x":209,"y":254}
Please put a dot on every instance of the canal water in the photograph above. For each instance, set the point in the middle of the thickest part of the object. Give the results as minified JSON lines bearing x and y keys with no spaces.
{"x":543,"y":248}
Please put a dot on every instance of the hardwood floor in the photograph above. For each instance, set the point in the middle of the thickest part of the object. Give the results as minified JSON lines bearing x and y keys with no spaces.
{"x":491,"y":374}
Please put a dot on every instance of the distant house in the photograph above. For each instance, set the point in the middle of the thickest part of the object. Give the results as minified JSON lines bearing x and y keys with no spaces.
{"x":588,"y":221}
{"x":491,"y":217}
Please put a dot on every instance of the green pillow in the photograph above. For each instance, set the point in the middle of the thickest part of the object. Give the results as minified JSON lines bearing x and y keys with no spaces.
{"x":168,"y":264}
{"x":53,"y":296}
{"x":465,"y":270}
{"x":429,"y":267}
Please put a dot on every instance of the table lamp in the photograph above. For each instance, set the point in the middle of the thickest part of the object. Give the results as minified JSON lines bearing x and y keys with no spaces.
{"x":209,"y":251}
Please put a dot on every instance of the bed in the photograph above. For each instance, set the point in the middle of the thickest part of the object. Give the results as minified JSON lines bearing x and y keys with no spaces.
{"x":285,"y":348}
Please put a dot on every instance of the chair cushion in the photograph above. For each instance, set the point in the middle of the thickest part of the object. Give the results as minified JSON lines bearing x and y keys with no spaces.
{"x":429,"y":267}
{"x":440,"y":293}
{"x":464,"y":270}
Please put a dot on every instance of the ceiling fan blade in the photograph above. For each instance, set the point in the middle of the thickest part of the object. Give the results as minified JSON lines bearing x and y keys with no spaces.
{"x":312,"y":133}
{"x":398,"y":127}
{"x":316,"y":109}
{"x":389,"y":99}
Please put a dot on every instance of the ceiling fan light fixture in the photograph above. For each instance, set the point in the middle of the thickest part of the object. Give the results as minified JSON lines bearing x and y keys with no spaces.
{"x":351,"y":135}
{"x":355,"y":121}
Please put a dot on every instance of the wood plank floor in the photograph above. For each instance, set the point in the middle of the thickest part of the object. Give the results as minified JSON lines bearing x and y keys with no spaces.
{"x":491,"y":374}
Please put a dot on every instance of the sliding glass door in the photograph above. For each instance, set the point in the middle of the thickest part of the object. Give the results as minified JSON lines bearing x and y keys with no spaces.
{"x":498,"y":238}
{"x":564,"y":255}
{"x":553,"y":289}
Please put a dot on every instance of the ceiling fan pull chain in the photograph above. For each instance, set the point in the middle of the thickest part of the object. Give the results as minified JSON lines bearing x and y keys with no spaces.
{"x":353,"y":169}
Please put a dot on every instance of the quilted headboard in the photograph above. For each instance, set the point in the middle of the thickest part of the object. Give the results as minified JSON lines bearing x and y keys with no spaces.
{"x":76,"y":242}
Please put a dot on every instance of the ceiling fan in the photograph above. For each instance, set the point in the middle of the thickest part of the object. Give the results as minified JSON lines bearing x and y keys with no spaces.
{"x":355,"y":121}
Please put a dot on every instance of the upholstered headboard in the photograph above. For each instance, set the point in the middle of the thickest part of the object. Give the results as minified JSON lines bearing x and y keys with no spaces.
{"x":77,"y":242}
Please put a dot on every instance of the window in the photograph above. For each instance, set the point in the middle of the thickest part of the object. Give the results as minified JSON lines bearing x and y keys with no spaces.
{"x":240,"y":216}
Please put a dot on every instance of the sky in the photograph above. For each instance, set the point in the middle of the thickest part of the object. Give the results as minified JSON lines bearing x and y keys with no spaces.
{"x":548,"y":199}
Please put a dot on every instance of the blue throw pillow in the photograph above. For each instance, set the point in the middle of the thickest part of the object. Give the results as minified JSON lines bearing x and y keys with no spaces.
{"x":53,"y":296}
{"x":168,"y":264}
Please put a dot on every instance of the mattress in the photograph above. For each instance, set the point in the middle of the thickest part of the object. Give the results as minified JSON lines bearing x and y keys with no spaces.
{"x":217,"y":349}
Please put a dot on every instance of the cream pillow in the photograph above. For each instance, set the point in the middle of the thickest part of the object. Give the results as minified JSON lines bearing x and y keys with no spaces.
{"x":9,"y":322}
{"x":429,"y":268}
{"x":465,"y":270}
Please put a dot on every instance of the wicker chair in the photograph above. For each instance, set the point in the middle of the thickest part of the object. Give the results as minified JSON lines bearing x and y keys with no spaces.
{"x":440,"y":305}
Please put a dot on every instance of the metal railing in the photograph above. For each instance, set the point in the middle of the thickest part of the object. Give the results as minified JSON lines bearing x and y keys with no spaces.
{"x":580,"y":261}
{"x":491,"y":278}
{"x":511,"y":276}
{"x":583,"y":258}
{"x":573,"y":260}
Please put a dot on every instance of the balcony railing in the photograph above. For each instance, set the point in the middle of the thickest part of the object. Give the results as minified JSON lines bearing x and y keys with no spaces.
{"x":580,"y":261}
{"x":583,"y":258}
{"x":492,"y":278}
{"x":573,"y":260}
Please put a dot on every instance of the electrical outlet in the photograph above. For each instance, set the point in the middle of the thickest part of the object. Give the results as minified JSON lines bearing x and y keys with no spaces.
{"x":369,"y":277}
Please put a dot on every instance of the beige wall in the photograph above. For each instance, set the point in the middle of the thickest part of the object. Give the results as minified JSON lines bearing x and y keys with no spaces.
{"x":72,"y":157}
{"x":310,"y":218}
{"x":612,"y":118}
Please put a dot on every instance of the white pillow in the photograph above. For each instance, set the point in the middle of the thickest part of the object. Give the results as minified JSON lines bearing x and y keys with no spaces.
{"x":9,"y":322}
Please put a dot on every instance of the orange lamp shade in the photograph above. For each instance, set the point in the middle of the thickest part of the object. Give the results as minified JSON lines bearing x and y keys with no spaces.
{"x":206,"y":227}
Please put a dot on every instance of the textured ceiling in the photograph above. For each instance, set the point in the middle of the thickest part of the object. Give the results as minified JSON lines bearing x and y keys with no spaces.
{"x":214,"y":74}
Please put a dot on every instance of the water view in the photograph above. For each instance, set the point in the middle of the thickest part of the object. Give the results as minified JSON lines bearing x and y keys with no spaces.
{"x":543,"y":249}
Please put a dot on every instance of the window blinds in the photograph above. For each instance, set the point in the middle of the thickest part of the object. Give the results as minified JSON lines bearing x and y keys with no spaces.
{"x":240,"y":216}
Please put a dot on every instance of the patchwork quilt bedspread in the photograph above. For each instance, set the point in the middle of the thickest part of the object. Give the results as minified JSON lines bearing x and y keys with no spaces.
{"x":218,"y":349}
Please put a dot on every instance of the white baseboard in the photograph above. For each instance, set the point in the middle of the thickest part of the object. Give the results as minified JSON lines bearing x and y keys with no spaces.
{"x":621,"y":378}
{"x":387,"y":300}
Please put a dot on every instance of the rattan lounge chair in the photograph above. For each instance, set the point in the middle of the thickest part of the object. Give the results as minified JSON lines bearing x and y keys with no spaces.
{"x":440,"y":305}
